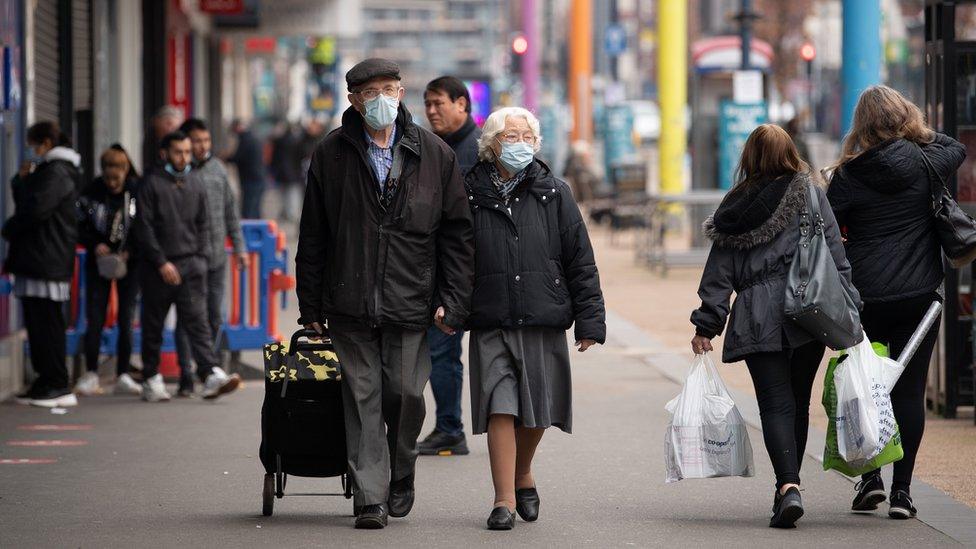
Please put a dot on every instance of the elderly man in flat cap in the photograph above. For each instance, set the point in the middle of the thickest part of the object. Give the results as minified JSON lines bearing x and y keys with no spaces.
{"x":385,"y":249}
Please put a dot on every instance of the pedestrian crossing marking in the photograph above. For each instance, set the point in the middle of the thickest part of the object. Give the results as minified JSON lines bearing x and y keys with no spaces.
{"x":47,"y":443}
{"x":53,"y":427}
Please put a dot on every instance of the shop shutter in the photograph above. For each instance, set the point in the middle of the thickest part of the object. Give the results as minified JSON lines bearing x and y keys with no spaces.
{"x":81,"y":54}
{"x":46,"y":75}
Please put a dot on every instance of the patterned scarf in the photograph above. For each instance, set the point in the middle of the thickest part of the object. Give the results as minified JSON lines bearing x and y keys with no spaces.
{"x":505,"y":187}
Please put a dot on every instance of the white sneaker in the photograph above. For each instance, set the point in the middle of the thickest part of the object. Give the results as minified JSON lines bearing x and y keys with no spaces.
{"x":154,"y":390}
{"x":88,"y":384}
{"x":55,"y":400}
{"x":125,"y":385}
{"x":219,"y":383}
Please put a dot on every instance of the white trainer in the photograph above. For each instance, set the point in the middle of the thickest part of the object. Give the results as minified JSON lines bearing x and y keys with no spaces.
{"x":88,"y":384}
{"x":219,"y":383}
{"x":125,"y":385}
{"x":54,"y":400}
{"x":154,"y":390}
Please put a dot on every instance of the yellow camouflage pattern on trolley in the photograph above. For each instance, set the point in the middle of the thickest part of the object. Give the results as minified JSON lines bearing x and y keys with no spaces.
{"x":304,"y":365}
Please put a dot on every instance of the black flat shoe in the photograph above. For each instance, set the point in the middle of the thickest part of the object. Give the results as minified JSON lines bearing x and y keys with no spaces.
{"x":501,"y":519}
{"x":787,"y":509}
{"x":527,"y":503}
{"x":870,"y":493}
{"x":442,"y":444}
{"x":372,"y":517}
{"x":401,"y":497}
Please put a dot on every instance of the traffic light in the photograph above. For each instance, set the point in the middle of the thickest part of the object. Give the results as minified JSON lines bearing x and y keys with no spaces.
{"x":808,"y":52}
{"x":520,"y":45}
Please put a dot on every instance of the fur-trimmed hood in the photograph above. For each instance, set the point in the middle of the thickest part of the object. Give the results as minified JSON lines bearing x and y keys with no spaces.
{"x":756,"y":216}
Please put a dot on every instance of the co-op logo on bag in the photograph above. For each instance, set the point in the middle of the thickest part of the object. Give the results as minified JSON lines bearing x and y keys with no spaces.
{"x":718,"y":446}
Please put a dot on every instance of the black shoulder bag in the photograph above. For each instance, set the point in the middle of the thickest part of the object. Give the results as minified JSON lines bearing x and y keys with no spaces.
{"x":818,"y":298}
{"x":955,"y":228}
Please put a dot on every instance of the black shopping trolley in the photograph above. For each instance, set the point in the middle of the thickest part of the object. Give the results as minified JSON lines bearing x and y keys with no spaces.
{"x":302,"y":429}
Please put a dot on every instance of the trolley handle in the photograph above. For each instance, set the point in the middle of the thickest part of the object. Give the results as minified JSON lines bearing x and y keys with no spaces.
{"x":324,"y":343}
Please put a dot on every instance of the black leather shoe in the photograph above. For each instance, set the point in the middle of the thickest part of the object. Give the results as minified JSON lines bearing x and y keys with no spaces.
{"x":401,"y":497}
{"x":501,"y":519}
{"x":787,"y":509}
{"x":527,"y":503}
{"x":870,"y":493}
{"x":372,"y":517}
{"x":439,"y":443}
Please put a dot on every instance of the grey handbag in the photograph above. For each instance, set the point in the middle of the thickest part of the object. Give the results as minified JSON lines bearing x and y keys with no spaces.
{"x":113,"y":266}
{"x":818,"y":298}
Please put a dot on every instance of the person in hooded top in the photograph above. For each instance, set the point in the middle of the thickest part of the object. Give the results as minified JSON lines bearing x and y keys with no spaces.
{"x":881,"y":193}
{"x":755,"y":233}
{"x":42,"y":234}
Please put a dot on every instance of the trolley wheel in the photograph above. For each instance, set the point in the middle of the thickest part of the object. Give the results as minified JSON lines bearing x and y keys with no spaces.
{"x":268,"y":495}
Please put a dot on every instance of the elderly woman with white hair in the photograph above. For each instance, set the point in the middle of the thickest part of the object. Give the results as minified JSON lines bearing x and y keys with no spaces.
{"x":535,"y":276}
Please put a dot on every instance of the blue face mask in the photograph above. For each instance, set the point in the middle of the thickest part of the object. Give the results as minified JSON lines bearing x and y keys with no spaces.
{"x":172,"y":171}
{"x":30,"y":155}
{"x":516,"y":156}
{"x":381,"y":111}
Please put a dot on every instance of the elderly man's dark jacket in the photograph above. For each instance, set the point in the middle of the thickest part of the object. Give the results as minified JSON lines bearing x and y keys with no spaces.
{"x":359,"y":263}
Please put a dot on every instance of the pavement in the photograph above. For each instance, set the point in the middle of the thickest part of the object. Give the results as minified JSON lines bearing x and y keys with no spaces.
{"x":186,"y":473}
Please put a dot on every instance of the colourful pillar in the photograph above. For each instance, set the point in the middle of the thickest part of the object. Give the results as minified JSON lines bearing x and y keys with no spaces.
{"x":581,"y":68}
{"x":861,"y":63}
{"x":672,"y":78}
{"x":530,"y":59}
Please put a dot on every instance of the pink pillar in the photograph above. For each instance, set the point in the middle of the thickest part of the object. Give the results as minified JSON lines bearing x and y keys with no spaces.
{"x":530,"y":60}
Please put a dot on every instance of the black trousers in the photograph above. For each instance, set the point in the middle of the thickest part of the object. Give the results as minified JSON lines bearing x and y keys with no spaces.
{"x":215,"y":301}
{"x":783,"y":382}
{"x":893,"y":324}
{"x":46,"y":326}
{"x":97,"y":292}
{"x":190,"y":298}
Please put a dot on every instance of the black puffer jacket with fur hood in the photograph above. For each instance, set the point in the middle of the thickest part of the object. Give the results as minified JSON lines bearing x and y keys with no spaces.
{"x":755,"y":233}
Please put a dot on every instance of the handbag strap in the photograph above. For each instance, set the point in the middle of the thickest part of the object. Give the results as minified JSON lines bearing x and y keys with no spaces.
{"x":811,"y":222}
{"x":936,"y":192}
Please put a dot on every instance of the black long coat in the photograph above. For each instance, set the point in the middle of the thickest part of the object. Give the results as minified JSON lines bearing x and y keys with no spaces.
{"x":358,"y":263}
{"x":44,"y":228}
{"x":534,"y":265}
{"x":883,"y":198}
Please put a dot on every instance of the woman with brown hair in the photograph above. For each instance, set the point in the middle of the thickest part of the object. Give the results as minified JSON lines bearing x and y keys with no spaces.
{"x":755,"y":234}
{"x":881,"y":194}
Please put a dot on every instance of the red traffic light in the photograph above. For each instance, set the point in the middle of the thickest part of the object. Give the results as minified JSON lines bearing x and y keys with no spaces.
{"x":520,"y":45}
{"x":808,"y":52}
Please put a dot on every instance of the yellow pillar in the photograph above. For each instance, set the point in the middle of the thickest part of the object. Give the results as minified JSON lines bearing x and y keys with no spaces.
{"x":672,"y":85}
{"x":581,"y":69}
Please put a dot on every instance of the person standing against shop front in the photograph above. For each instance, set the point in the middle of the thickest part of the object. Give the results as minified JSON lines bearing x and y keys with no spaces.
{"x":42,"y":234}
{"x":384,"y":249}
{"x":448,"y":108}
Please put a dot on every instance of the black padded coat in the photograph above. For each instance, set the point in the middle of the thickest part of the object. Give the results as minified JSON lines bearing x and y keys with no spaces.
{"x":534,"y":265}
{"x":883,"y":199}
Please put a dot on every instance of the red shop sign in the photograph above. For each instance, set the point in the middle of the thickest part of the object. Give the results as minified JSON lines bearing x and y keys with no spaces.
{"x":222,"y":7}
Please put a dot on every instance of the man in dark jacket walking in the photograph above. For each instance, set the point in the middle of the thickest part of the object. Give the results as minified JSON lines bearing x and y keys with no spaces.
{"x":173,"y":239}
{"x":448,"y":107}
{"x":249,"y":159}
{"x":385,"y":245}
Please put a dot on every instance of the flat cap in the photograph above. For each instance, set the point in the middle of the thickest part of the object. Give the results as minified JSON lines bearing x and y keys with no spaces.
{"x":364,"y":71}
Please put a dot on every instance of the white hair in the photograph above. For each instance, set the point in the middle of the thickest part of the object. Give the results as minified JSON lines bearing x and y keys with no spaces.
{"x":495,"y":124}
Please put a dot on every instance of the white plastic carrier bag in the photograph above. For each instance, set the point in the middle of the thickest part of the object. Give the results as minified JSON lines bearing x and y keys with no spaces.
{"x":865,"y":421}
{"x":706,"y":436}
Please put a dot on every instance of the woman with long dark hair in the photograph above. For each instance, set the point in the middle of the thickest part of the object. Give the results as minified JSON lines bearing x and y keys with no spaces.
{"x":42,"y":234}
{"x":755,"y":234}
{"x":880,"y":192}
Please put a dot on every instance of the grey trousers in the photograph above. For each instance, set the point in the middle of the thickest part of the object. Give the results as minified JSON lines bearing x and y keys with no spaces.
{"x":384,"y":372}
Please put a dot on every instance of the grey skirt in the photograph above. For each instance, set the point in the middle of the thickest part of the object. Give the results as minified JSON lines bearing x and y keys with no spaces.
{"x":521,"y":372}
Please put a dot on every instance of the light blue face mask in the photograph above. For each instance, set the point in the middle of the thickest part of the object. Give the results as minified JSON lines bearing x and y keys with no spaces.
{"x":516,"y":156}
{"x":30,"y":155}
{"x":381,"y":111}
{"x":172,"y":171}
